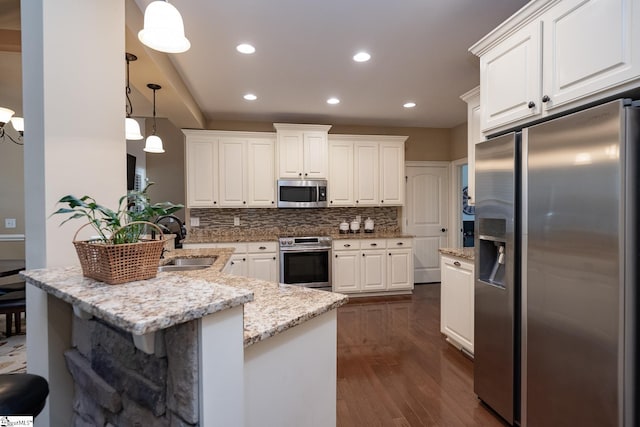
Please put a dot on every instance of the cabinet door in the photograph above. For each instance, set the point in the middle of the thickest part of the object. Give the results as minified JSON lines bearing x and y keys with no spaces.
{"x":340,"y":173}
{"x":373,"y":265}
{"x":237,"y":265}
{"x":201,"y":163}
{"x":290,"y":154}
{"x":589,"y":46}
{"x":315,"y":155}
{"x":474,"y":135}
{"x":232,"y":171}
{"x":400,"y":269}
{"x":366,"y":179}
{"x":392,"y":174}
{"x":263,"y":266}
{"x":261,"y":179}
{"x":510,"y":78}
{"x":345,"y":271}
{"x":457,"y":301}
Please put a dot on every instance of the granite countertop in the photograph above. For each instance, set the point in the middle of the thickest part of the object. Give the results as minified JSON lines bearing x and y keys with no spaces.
{"x":168,"y":299}
{"x":466,"y":253}
{"x":275,"y":307}
{"x":142,"y":306}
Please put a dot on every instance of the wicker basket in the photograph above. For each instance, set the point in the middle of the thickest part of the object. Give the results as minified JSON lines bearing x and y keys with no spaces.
{"x":116,"y":264}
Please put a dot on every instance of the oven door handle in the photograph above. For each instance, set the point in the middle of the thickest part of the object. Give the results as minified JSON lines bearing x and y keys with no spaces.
{"x":285,"y":251}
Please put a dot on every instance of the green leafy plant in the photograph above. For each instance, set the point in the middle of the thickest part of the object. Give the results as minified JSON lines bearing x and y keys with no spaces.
{"x":112,"y":225}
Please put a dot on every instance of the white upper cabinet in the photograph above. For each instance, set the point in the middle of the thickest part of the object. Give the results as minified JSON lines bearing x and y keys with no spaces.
{"x":230,"y":169}
{"x":556,"y":55}
{"x":200,"y":164}
{"x":589,"y":46}
{"x":302,"y":151}
{"x":510,"y":78}
{"x":340,"y":173}
{"x":261,"y":173}
{"x":392,"y":173}
{"x":366,"y":169}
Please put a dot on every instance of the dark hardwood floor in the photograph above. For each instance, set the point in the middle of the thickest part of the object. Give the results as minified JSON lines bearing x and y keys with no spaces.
{"x":396,"y":369}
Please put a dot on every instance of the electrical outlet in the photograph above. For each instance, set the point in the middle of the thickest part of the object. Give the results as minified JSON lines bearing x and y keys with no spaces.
{"x":194,"y":221}
{"x":9,"y":223}
{"x":236,"y":220}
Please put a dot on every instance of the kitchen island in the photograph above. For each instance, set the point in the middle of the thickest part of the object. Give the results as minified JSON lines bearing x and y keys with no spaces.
{"x":198,"y":348}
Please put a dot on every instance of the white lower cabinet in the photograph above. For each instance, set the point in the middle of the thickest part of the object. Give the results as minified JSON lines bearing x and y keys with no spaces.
{"x":237,"y":265}
{"x":346,"y":271}
{"x":457,"y":301}
{"x":372,"y":265}
{"x":257,"y":260}
{"x":262,"y":261}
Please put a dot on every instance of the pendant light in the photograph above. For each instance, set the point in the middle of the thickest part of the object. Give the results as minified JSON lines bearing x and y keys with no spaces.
{"x":154,"y":143}
{"x":131,"y":126}
{"x":6,"y":116}
{"x":163,"y":28}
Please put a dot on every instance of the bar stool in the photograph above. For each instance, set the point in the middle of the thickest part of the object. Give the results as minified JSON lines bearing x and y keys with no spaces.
{"x":22,"y":394}
{"x":13,"y":304}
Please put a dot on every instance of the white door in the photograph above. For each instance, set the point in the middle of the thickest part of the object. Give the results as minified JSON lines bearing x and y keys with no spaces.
{"x":366,"y":168}
{"x":340,"y":173}
{"x":346,"y":271}
{"x":427,"y":218}
{"x":315,"y":155}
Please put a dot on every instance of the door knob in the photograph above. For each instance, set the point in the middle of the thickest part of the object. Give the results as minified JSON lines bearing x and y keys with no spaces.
{"x":531,"y":104}
{"x":546,"y":98}
{"x":443,"y":230}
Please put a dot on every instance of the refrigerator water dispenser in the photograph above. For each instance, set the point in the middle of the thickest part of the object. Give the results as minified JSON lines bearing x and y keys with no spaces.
{"x":492,"y":251}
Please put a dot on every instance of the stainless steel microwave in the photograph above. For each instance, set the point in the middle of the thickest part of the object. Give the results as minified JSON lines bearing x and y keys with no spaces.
{"x":298,"y":193}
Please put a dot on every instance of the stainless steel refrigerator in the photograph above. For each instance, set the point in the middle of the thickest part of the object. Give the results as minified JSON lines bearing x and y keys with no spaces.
{"x":556,"y":259}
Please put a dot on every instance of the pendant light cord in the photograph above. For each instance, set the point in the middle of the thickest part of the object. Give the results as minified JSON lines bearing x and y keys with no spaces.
{"x":154,"y":111}
{"x":129,"y":107}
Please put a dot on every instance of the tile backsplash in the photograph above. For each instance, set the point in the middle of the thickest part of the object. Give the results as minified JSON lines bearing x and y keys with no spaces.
{"x":285,"y":219}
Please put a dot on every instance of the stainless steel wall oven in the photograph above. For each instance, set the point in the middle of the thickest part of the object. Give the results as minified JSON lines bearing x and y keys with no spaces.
{"x":305,"y":261}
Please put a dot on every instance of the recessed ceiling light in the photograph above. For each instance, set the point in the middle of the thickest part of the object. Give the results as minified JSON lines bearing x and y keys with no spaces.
{"x":333,"y":101}
{"x":250,"y":97}
{"x":361,"y":57}
{"x":409,"y":105}
{"x":245,"y":48}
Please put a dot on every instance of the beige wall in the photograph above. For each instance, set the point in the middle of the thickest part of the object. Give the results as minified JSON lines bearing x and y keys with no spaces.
{"x":11,"y":196}
{"x":459,"y":142}
{"x":422,"y":144}
{"x":166,"y":170}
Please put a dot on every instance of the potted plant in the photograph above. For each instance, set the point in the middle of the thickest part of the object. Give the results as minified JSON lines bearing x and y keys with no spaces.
{"x":119,"y":253}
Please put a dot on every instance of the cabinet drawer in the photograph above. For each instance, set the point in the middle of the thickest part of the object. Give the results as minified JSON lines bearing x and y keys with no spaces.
{"x":240,"y":248}
{"x":346,"y":244}
{"x":262,"y":247}
{"x":458,"y":262}
{"x":373,"y":243}
{"x":399,"y":243}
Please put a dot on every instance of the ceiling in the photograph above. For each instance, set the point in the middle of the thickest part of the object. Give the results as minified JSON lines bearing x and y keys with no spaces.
{"x":303,"y":56}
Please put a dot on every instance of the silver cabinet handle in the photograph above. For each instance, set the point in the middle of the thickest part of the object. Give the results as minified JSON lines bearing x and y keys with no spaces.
{"x":374,"y":244}
{"x":347,"y":245}
{"x":457,"y":264}
{"x":399,"y":243}
{"x":262,"y":248}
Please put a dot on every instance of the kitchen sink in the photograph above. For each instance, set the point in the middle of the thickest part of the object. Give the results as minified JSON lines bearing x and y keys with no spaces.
{"x":202,"y":261}
{"x":187,"y":264}
{"x":182,"y":267}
